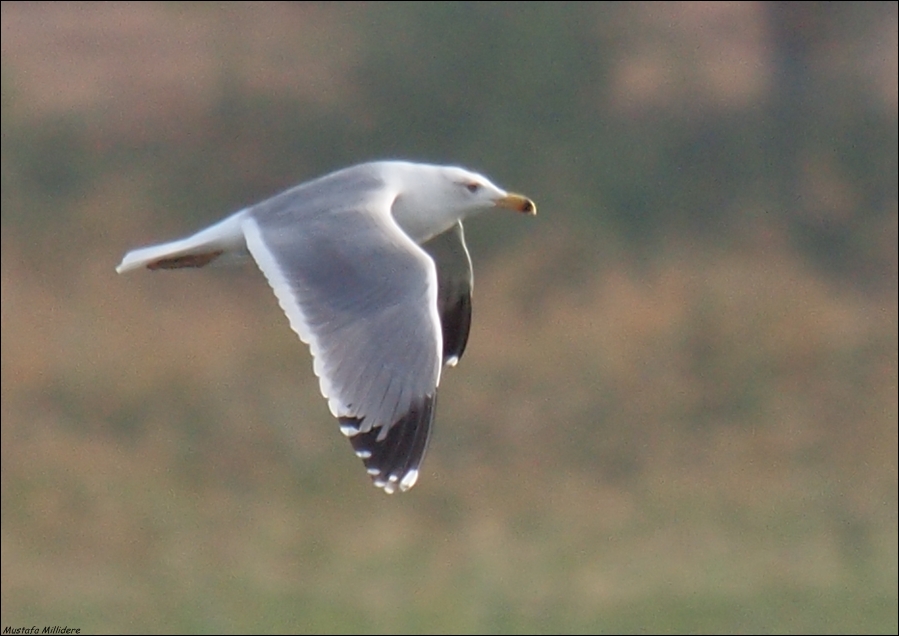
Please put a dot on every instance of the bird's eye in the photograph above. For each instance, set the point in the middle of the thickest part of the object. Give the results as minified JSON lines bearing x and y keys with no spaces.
{"x":473,"y":187}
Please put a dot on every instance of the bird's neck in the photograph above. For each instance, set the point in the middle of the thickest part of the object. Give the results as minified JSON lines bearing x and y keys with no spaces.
{"x":422,"y":224}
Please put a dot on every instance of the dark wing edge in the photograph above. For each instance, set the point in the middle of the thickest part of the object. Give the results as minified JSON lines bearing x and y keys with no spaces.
{"x":454,"y":286}
{"x":392,"y":435}
{"x":392,"y":460}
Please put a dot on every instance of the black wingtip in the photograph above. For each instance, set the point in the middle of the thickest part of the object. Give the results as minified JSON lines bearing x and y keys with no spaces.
{"x":393,"y":462}
{"x":455,"y":320}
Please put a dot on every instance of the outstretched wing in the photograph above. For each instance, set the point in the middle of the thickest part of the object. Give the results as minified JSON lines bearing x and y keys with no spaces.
{"x":454,"y":282}
{"x":363,"y":295}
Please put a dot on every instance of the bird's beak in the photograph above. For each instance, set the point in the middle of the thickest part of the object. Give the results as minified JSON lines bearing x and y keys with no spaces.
{"x":517,"y":203}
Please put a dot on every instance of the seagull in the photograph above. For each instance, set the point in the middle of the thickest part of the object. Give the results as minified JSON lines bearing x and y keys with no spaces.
{"x":370,"y":265}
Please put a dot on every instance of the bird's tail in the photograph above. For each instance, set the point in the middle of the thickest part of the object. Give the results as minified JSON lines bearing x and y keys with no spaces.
{"x":222,"y":239}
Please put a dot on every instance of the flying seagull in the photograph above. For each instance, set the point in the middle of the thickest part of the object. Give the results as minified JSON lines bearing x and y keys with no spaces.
{"x":370,"y":265}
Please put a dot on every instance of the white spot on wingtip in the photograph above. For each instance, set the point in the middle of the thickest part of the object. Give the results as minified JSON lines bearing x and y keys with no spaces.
{"x":409,"y":480}
{"x":349,"y":430}
{"x":452,"y":361}
{"x":389,"y":485}
{"x":373,"y":472}
{"x":363,"y":454}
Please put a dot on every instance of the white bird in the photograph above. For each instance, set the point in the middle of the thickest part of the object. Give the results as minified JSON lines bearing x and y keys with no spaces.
{"x":370,"y":265}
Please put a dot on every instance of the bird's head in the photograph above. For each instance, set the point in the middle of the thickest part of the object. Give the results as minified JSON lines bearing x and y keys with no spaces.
{"x":433,"y":198}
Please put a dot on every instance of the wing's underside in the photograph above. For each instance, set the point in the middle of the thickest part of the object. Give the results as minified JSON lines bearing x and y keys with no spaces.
{"x":364,"y":297}
{"x":455,"y":282}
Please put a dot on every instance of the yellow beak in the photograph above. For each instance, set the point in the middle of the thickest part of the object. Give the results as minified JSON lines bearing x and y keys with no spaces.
{"x":517,"y":203}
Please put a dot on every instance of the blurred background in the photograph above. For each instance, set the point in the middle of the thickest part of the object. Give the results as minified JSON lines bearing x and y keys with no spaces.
{"x":678,"y":408}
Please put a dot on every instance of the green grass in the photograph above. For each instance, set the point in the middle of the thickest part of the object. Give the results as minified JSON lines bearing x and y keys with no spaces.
{"x":617,"y":461}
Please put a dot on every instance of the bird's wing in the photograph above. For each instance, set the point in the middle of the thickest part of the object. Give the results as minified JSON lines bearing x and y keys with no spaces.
{"x":454,"y":282}
{"x":363,"y":295}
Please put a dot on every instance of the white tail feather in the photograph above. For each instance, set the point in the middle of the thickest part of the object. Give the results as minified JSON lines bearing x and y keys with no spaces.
{"x":224,"y":238}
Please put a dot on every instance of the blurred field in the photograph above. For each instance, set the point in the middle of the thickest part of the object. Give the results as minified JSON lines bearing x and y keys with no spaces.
{"x":675,"y":423}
